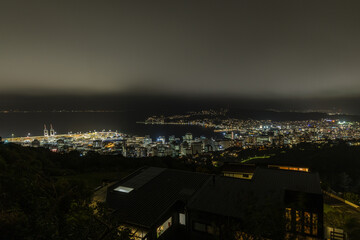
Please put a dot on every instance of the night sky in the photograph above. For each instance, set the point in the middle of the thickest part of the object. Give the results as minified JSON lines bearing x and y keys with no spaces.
{"x":227,"y":48}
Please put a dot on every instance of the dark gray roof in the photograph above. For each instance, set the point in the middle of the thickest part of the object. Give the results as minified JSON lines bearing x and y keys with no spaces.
{"x":142,"y":178}
{"x":147,"y":203}
{"x":156,"y":190}
{"x":224,"y":196}
{"x":230,"y":196}
{"x":270,"y":179}
{"x":240,"y":168}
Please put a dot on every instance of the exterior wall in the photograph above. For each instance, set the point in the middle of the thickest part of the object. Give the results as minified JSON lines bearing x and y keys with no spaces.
{"x":304,"y":214}
{"x":204,"y":224}
{"x":173,"y":212}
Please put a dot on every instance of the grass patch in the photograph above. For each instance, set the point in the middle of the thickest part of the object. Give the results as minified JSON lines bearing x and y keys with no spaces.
{"x":253,"y":158}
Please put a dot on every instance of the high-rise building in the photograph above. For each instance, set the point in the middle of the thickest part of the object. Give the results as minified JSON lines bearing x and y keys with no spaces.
{"x":147,"y":140}
{"x":188,"y":137}
{"x":171,"y":138}
{"x":196,"y":147}
{"x":161,"y":139}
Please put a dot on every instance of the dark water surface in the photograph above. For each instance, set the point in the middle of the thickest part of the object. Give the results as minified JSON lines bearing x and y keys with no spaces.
{"x":20,"y":124}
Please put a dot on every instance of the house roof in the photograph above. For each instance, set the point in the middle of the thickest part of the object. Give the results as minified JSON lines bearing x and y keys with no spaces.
{"x":240,"y":168}
{"x":156,"y":190}
{"x":270,"y":179}
{"x":228,"y":196}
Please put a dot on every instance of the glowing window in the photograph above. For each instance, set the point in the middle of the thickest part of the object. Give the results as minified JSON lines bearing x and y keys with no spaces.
{"x":314,"y":224}
{"x":182,"y":218}
{"x":298,"y":221}
{"x":137,"y":234}
{"x":307,"y":222}
{"x":123,"y":189}
{"x":288,"y":218}
{"x":165,"y":226}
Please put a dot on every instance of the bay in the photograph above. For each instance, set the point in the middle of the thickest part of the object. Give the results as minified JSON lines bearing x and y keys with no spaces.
{"x":22,"y":123}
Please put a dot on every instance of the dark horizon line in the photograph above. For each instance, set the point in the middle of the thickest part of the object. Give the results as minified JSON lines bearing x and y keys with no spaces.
{"x":259,"y":97}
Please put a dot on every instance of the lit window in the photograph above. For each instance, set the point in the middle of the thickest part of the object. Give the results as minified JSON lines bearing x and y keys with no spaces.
{"x":307,"y":222}
{"x":161,"y":229}
{"x":298,"y":221}
{"x":288,"y":218}
{"x":314,"y":224}
{"x":123,"y":189}
{"x":182,"y":220}
{"x":137,"y":234}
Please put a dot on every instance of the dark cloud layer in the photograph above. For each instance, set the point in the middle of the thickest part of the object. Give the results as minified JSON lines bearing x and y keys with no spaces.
{"x":233,"y":48}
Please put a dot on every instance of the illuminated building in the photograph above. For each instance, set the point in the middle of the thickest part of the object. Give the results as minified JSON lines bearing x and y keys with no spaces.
{"x":263,"y":140}
{"x":171,"y":138}
{"x":196,"y":148}
{"x":147,"y":140}
{"x":175,"y":147}
{"x":290,"y":168}
{"x":188,"y":137}
{"x":208,"y":148}
{"x":141,"y":152}
{"x":243,"y":171}
{"x":185,"y":149}
{"x":166,"y":203}
{"x":162,"y":150}
{"x":225,"y":143}
{"x":161,"y":139}
{"x":97,"y":143}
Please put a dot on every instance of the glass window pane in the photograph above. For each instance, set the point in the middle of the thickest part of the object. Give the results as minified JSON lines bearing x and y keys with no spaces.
{"x":288,"y":218}
{"x":314,"y":224}
{"x":307,"y":222}
{"x":298,"y":221}
{"x":182,"y":220}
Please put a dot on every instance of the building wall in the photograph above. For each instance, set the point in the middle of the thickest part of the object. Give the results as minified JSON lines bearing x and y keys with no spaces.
{"x":304,"y":214}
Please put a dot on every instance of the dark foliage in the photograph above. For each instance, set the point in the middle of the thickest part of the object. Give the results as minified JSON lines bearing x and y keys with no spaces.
{"x":35,"y":205}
